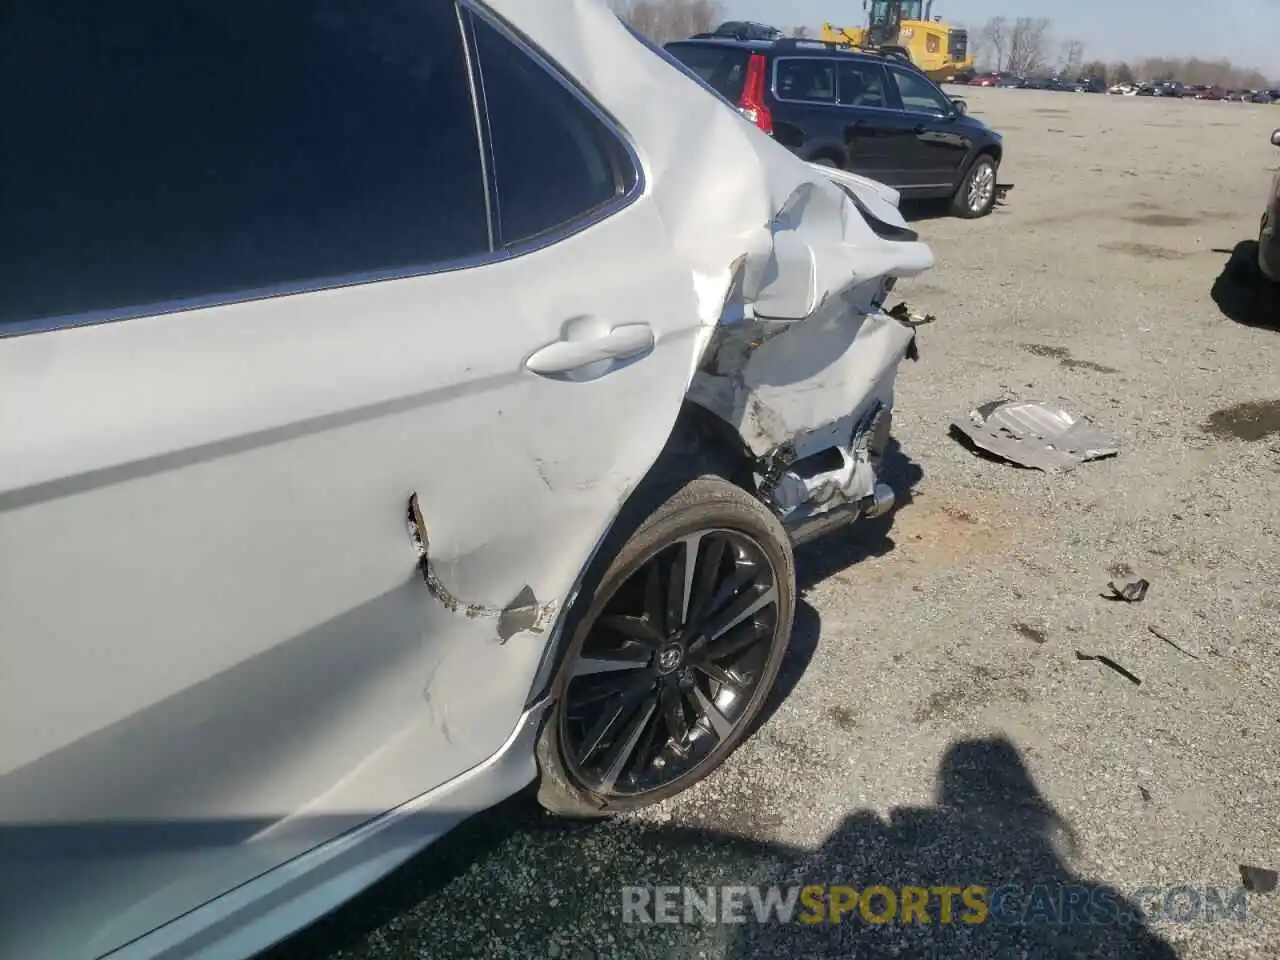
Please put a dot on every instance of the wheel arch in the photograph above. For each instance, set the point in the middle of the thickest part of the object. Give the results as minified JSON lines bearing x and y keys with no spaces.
{"x":700,"y":442}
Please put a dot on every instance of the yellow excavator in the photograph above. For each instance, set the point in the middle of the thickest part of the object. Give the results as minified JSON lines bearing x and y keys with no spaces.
{"x":908,"y":27}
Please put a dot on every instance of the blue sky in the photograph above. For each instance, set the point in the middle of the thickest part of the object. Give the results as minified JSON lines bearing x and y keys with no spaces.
{"x":1246,"y":31}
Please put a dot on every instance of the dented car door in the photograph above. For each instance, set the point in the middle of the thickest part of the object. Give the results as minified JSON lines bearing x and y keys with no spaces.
{"x":205,"y":506}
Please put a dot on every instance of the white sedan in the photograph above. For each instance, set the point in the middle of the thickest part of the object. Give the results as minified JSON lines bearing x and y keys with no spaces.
{"x":401,"y":403}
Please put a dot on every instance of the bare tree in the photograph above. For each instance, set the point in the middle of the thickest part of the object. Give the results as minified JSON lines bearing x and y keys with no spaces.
{"x":1218,"y":73}
{"x":1072,"y":59}
{"x":800,"y":32}
{"x":1096,"y":68}
{"x":664,"y":20}
{"x":994,"y":37}
{"x":1028,"y":45}
{"x":1121,"y":73}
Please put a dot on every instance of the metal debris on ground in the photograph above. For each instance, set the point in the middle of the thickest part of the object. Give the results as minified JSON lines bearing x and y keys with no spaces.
{"x":1129,"y":593}
{"x":903,"y":314}
{"x":1035,"y":435}
{"x":1160,"y":636}
{"x":1257,"y":880}
{"x":1108,"y":662}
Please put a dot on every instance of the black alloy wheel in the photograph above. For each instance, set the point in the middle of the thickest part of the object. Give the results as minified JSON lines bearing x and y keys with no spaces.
{"x":673,"y":655}
{"x":669,"y":668}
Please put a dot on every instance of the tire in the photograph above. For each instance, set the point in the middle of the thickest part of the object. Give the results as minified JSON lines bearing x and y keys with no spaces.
{"x":967,"y":203}
{"x":658,"y":744}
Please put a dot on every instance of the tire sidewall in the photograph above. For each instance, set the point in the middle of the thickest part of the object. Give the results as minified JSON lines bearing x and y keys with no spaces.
{"x":705,"y":503}
{"x":962,"y":194}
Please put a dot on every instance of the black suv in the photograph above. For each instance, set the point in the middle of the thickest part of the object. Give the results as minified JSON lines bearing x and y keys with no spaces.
{"x":869,"y":113}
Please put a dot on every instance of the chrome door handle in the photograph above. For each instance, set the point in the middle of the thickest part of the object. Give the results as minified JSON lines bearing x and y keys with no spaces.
{"x":625,"y":342}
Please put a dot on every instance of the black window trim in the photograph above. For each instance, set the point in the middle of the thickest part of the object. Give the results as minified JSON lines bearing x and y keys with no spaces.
{"x":917,"y":75}
{"x":494,"y":254}
{"x":629,"y":154}
{"x":884,"y":80}
{"x":835,"y":89}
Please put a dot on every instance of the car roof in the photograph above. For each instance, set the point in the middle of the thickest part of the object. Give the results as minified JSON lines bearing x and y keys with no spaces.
{"x":790,"y":47}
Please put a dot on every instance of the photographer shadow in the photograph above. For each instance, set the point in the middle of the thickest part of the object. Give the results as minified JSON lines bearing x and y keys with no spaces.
{"x":990,"y":827}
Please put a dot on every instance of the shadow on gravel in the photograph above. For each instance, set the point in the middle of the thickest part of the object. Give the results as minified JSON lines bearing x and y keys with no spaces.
{"x":988,"y":826}
{"x":914,"y":211}
{"x":1243,"y":294}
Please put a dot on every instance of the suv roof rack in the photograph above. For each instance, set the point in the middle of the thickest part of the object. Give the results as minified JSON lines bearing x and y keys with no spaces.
{"x":888,"y":50}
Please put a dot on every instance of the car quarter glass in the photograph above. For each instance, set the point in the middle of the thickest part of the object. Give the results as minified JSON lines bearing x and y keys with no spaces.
{"x":554,"y":161}
{"x":213,"y":169}
{"x":862,"y":84}
{"x":805,"y":79}
{"x":918,"y":94}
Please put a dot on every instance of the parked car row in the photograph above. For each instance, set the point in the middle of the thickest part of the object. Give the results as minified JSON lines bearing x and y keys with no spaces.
{"x":1098,"y":85}
{"x":863,"y":112}
{"x":1018,"y":82}
{"x":1194,"y":91}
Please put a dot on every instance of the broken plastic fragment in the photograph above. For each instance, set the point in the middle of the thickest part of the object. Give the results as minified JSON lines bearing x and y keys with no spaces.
{"x":1129,"y":593}
{"x":903,"y":313}
{"x":1035,"y":435}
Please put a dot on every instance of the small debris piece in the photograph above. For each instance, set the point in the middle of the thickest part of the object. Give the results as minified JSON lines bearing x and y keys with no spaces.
{"x":1035,"y":435}
{"x":1030,"y":632}
{"x":1108,"y":662}
{"x":1160,"y":636}
{"x":1146,"y":794}
{"x":902,"y":313}
{"x":1130,"y":593}
{"x":1257,"y":880}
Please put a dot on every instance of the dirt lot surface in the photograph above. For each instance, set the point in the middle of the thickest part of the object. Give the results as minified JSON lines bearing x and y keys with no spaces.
{"x":934,"y":725}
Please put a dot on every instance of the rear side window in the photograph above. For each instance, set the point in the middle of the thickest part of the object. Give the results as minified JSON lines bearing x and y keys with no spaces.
{"x":919,"y":95}
{"x":723,"y":69}
{"x":554,"y":161}
{"x":862,"y":84}
{"x":198,"y":149}
{"x":805,"y":79}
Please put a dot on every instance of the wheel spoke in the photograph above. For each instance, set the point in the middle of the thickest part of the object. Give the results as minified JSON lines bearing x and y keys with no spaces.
{"x":743,"y":607}
{"x":721,"y":724}
{"x":633,"y":628}
{"x":606,"y":687}
{"x":673,"y":712}
{"x":719,"y":674}
{"x":655,"y":599}
{"x":680,"y":591}
{"x":743,"y":575}
{"x":625,"y":746}
{"x":588,"y":666}
{"x":733,"y":643}
{"x":611,"y":718}
{"x":705,"y":578}
{"x":643,"y":752}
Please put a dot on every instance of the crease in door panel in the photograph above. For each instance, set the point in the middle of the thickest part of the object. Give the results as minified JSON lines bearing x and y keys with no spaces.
{"x":522,"y":614}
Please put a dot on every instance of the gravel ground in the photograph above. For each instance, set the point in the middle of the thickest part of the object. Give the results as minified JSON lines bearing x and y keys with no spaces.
{"x":933,"y":724}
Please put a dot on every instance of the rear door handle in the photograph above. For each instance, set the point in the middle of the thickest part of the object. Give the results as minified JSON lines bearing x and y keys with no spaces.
{"x":625,"y":342}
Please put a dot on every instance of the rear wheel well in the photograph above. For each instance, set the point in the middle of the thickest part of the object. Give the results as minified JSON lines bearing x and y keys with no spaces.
{"x":700,"y":443}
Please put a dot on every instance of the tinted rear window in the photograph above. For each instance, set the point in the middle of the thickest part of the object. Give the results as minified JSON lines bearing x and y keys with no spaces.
{"x":724,"y":69}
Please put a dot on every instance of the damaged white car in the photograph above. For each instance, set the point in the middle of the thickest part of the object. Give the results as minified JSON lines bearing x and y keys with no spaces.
{"x":402,"y":403}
